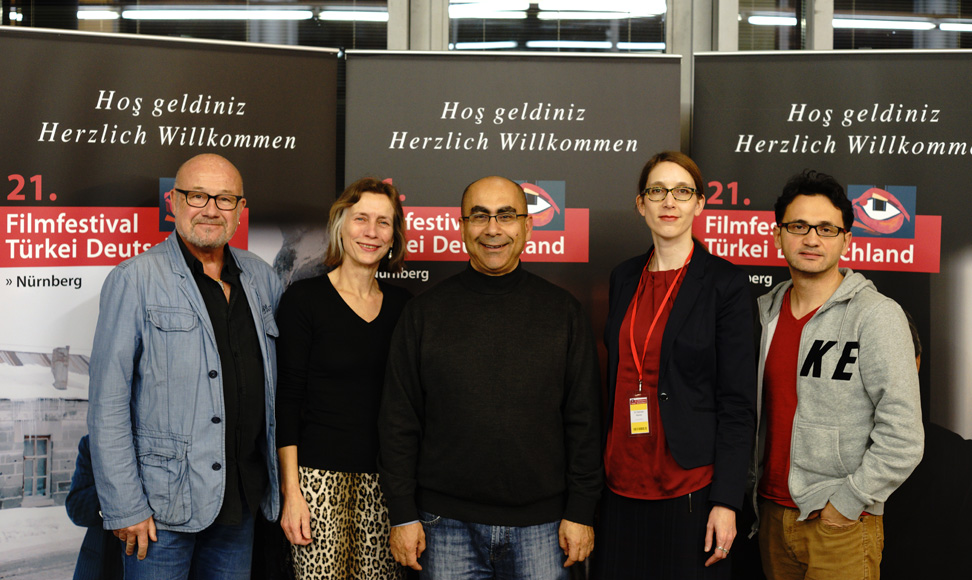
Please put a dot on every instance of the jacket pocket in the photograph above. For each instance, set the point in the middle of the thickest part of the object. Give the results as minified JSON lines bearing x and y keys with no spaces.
{"x":172,"y":319}
{"x":816,"y":450}
{"x":164,"y":468}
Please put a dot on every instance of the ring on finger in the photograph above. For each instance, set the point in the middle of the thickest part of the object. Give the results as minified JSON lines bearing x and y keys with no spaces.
{"x":724,"y":550}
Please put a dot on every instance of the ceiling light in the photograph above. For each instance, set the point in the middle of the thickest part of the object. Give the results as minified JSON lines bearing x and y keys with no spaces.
{"x":208,"y":14}
{"x":554,"y":15}
{"x":97,"y":15}
{"x":600,"y":44}
{"x":772,"y":20}
{"x":352,"y":16}
{"x":641,"y":46}
{"x":498,"y":45}
{"x":956,"y":26}
{"x":631,"y":7}
{"x":883,"y":24}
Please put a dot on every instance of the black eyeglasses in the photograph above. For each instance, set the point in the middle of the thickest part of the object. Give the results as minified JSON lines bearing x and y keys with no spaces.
{"x":803,"y":228}
{"x":503,"y":218}
{"x":200,"y":199}
{"x":658,"y":193}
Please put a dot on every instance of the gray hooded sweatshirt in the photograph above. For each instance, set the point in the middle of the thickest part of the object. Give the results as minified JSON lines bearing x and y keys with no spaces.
{"x":857,"y":431}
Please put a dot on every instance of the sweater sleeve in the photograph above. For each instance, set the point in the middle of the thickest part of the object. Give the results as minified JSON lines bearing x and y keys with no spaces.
{"x":82,"y":500}
{"x":582,"y":428}
{"x":296,"y":325}
{"x":400,"y":419}
{"x":890,"y":377}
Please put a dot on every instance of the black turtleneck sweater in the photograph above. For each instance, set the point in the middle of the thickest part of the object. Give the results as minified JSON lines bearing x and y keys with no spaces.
{"x":490,"y":411}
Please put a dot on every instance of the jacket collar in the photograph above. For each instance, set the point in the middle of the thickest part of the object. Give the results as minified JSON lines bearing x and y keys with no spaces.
{"x":688,"y":293}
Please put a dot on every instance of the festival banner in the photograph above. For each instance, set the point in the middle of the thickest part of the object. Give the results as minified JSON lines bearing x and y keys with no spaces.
{"x":895,"y":129}
{"x":93,"y":130}
{"x":573,"y":130}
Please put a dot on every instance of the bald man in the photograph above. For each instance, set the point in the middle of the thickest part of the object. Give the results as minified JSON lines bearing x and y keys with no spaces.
{"x":182,"y":379}
{"x":489,"y":434}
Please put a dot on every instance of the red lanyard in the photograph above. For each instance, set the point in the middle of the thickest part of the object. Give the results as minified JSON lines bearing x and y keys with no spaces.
{"x":639,"y":361}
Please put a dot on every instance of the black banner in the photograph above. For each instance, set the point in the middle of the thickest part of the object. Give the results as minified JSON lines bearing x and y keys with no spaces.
{"x":896,"y":130}
{"x":574,"y":130}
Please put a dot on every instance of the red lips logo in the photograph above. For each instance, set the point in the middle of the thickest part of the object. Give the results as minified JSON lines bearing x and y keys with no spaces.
{"x":539,"y":204}
{"x":879,"y":212}
{"x":169,"y":216}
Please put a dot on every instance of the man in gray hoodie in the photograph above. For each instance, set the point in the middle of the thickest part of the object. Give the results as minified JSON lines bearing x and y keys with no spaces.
{"x":839,"y":412}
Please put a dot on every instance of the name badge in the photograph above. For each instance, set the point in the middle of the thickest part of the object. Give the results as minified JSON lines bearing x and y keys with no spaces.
{"x":638,"y":408}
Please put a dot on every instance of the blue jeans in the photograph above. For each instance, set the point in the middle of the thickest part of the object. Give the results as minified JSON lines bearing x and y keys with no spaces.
{"x":217,"y":553}
{"x":456,"y":550}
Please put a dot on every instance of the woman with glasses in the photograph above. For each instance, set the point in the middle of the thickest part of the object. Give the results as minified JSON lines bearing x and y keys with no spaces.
{"x":335,"y":332}
{"x":681,"y":393}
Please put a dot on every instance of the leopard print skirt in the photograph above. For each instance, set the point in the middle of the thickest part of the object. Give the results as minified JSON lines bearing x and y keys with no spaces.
{"x":349,"y":524}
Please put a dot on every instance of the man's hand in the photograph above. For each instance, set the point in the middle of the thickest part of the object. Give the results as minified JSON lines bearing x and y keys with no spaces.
{"x":407,"y":544}
{"x":830,"y":516}
{"x":139,"y":534}
{"x":576,"y":540}
{"x":295,"y":519}
{"x":721,"y":528}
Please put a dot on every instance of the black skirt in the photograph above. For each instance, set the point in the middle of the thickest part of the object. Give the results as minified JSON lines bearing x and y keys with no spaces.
{"x":654,"y":539}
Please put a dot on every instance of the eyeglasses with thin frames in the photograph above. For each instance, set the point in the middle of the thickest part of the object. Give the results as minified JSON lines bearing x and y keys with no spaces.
{"x":199,"y":199}
{"x":658,"y":193}
{"x":803,"y":228}
{"x":503,"y":218}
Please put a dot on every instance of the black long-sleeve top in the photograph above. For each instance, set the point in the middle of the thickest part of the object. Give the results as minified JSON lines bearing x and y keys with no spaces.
{"x":491,"y":407}
{"x":331,"y":367}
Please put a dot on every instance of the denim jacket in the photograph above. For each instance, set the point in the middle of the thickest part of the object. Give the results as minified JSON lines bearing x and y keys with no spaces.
{"x":155,"y":412}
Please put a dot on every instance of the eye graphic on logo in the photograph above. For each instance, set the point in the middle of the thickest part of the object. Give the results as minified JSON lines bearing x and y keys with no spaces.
{"x":539,"y":204}
{"x":879,"y":212}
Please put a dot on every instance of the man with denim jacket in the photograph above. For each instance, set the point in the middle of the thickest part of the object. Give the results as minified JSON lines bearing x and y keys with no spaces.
{"x":839,"y":412}
{"x":182,"y":379}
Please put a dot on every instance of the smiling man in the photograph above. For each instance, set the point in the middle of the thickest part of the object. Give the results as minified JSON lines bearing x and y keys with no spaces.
{"x":489,"y":425}
{"x":840,"y":422}
{"x":182,"y":381}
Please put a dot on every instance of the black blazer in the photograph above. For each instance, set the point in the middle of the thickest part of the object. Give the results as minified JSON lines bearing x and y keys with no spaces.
{"x":707,"y":371}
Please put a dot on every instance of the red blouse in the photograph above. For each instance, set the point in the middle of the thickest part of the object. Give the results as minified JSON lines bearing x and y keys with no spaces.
{"x":642,"y":466}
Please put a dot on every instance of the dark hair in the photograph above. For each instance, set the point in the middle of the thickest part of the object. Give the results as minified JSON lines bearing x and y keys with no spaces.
{"x":812,"y":182}
{"x":351,"y":196}
{"x":678,"y":158}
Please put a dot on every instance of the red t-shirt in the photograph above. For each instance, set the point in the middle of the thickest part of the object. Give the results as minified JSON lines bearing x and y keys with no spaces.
{"x":780,"y":402}
{"x":642,"y":467}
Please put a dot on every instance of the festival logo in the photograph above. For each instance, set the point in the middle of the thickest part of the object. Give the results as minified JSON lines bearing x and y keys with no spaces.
{"x":883,"y":213}
{"x":544,"y":202}
{"x":166,"y":218}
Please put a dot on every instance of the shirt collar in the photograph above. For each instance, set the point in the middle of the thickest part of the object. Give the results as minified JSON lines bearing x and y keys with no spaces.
{"x":196,"y":267}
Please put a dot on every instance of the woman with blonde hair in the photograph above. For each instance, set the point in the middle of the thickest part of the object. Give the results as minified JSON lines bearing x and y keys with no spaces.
{"x":335,"y":332}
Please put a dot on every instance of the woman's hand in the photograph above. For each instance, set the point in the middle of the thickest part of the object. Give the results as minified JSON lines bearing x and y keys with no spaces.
{"x":721,"y":525}
{"x":295,"y":519}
